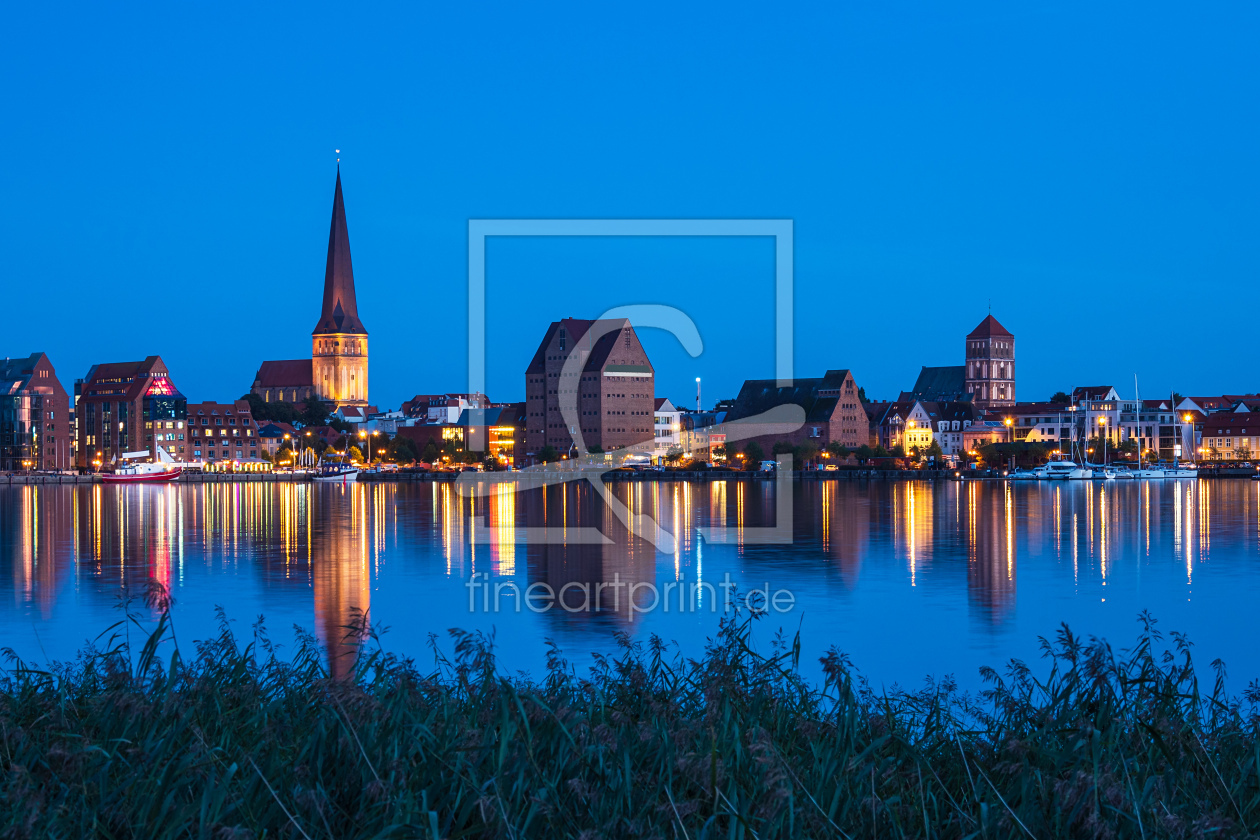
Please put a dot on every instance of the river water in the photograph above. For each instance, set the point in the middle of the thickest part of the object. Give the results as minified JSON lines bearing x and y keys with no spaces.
{"x":908,"y":578}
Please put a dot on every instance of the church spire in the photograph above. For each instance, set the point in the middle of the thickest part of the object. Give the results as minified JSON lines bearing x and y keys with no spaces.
{"x":340,"y":313}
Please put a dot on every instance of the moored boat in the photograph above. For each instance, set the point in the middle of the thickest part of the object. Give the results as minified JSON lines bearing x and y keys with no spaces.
{"x":131,"y":471}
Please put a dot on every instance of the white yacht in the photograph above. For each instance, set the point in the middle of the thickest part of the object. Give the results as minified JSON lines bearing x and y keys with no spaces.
{"x":1060,"y":470}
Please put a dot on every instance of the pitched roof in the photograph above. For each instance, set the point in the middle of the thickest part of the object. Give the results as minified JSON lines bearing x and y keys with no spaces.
{"x":576,"y":330}
{"x":340,"y":312}
{"x":758,"y":396}
{"x":288,"y":373}
{"x":663,"y":401}
{"x":941,"y":383}
{"x":128,"y":379}
{"x":1229,"y":423}
{"x":990,"y":328}
{"x":1092,"y":392}
{"x":18,"y":370}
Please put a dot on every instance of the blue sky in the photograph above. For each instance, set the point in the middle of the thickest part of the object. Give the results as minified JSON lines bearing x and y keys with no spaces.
{"x":1092,"y":172}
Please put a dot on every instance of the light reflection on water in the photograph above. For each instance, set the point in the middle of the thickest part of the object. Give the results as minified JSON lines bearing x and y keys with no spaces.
{"x":910,"y":578}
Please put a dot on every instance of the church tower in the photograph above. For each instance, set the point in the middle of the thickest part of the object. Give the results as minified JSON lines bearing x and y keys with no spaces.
{"x":990,"y":374}
{"x":339,"y":343}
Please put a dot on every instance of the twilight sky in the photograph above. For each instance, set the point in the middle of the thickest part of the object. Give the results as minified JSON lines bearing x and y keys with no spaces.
{"x":1091,"y":171}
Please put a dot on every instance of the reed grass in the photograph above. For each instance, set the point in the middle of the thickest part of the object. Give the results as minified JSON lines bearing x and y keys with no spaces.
{"x":237,"y":741}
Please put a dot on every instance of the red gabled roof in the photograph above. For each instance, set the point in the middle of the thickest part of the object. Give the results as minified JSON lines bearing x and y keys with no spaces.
{"x":288,"y":373}
{"x":989,"y":328}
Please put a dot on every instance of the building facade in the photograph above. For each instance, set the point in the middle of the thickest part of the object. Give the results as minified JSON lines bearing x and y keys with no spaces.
{"x":337,"y":371}
{"x":128,"y":407}
{"x":222,"y":433}
{"x":611,"y":384}
{"x":666,"y":428}
{"x":833,"y":412}
{"x":35,"y":423}
{"x":990,"y":365}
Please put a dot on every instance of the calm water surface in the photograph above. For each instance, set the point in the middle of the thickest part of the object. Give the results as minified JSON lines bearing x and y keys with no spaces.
{"x":910,"y":579}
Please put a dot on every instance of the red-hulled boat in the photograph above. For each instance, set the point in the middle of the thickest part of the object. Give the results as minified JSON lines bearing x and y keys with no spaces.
{"x":132,"y":472}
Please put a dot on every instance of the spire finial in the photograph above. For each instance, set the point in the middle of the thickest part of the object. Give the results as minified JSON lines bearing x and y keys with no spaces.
{"x":338,"y":151}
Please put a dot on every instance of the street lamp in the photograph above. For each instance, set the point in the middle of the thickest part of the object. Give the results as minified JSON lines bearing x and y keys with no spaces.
{"x":1102,"y":421}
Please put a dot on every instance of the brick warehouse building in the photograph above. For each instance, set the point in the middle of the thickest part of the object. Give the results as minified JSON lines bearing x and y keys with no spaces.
{"x":127,"y":407}
{"x":34,"y":416}
{"x":613,"y":384}
{"x":337,"y":371}
{"x":219,"y":432}
{"x":833,"y":412}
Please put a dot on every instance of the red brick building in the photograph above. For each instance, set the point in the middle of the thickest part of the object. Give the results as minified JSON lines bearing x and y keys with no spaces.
{"x":219,"y":432}
{"x":128,"y":407}
{"x":34,"y":416}
{"x":833,"y":412}
{"x":611,"y":382}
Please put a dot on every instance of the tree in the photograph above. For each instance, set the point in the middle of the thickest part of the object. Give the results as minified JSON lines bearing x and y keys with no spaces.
{"x":836,"y":449}
{"x":548,"y":454}
{"x":934,"y":451}
{"x":864,"y":452}
{"x":898,"y":451}
{"x":719,"y":451}
{"x":674,"y":454}
{"x":595,"y":450}
{"x":265,"y":456}
{"x":1060,"y":397}
{"x":805,"y":453}
{"x":753,"y":455}
{"x":355,"y":454}
{"x":862,"y":395}
{"x":430,"y":453}
{"x":782,"y":447}
{"x":315,"y":412}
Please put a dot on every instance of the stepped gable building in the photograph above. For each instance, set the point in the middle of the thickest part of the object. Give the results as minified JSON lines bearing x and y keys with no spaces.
{"x":833,"y":412}
{"x":613,"y":382}
{"x":337,"y":371}
{"x":990,"y":365}
{"x":128,"y":407}
{"x":34,"y":416}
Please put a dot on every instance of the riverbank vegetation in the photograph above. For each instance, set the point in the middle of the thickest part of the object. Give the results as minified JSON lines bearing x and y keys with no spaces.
{"x":236,"y":740}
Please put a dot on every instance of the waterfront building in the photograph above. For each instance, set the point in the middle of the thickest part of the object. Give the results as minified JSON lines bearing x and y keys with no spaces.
{"x":223,"y":433}
{"x":273,"y":434}
{"x":700,"y":431}
{"x":950,"y":420}
{"x":990,"y":364}
{"x":612,"y":385}
{"x":128,"y":407}
{"x":666,"y":427}
{"x":984,"y":432}
{"x":337,"y":371}
{"x":35,"y":423}
{"x":833,"y":412}
{"x":441,"y":408}
{"x":1231,"y":436}
{"x":1047,"y":423}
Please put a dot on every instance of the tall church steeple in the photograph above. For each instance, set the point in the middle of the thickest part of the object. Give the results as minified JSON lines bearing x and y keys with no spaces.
{"x":340,"y":312}
{"x":339,"y":343}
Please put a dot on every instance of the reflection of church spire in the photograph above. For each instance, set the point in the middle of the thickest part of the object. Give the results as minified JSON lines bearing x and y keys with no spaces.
{"x":340,"y":577}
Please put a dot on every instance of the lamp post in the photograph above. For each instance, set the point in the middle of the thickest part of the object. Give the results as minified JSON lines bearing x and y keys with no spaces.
{"x":1102,"y":422}
{"x":697,"y":394}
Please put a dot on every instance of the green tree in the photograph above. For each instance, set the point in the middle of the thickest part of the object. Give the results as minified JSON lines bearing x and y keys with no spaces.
{"x":934,"y":451}
{"x":897,"y":451}
{"x":595,"y":450}
{"x":1060,"y":397}
{"x":355,"y":454}
{"x":836,"y":449}
{"x":805,"y":453}
{"x":862,"y":395}
{"x":674,"y":454}
{"x":316,"y":412}
{"x":864,"y":452}
{"x":781,"y":447}
{"x":753,"y":455}
{"x":430,"y":453}
{"x":548,"y":454}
